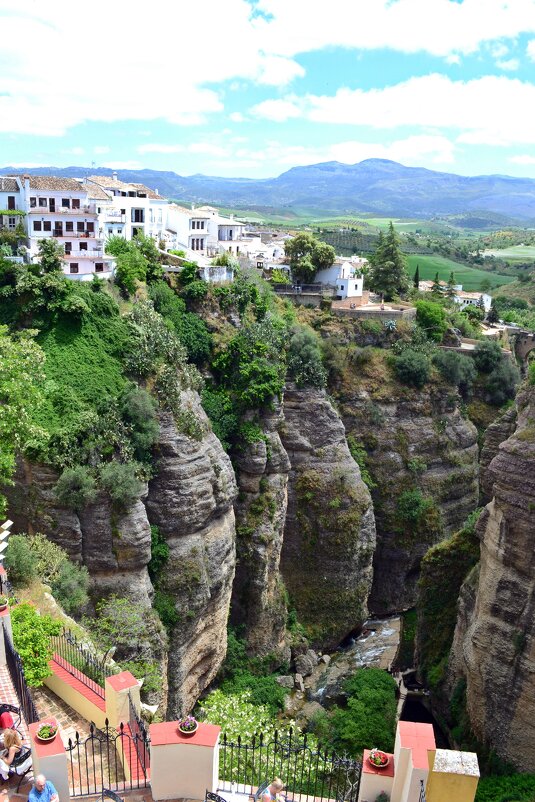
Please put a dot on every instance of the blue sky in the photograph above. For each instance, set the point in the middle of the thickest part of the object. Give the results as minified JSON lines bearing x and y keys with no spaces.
{"x":254,"y":87}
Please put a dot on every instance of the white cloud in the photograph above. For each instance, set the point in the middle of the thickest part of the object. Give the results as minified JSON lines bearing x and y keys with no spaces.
{"x":510,"y":64}
{"x":155,"y":148}
{"x":100,"y":149}
{"x":530,"y":49}
{"x":276,"y":110}
{"x":499,"y":50}
{"x":439,"y":27}
{"x":453,"y":58}
{"x":279,"y":71}
{"x":76,"y":151}
{"x":523,"y":159}
{"x":237,"y":117}
{"x":430,"y":101}
{"x":411,"y":151}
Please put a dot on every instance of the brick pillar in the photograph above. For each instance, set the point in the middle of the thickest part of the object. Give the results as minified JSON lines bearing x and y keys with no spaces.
{"x":117,"y":704}
{"x":50,"y":759}
{"x":183,"y":767}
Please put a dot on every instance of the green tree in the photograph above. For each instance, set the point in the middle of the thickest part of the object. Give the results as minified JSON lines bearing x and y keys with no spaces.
{"x":416,"y":278}
{"x":305,"y":365}
{"x":147,"y":247}
{"x":450,"y":290}
{"x":487,"y":356}
{"x":485,"y":285}
{"x":492,"y":315}
{"x":31,"y":638}
{"x":21,"y":561}
{"x":76,"y":487}
{"x":50,"y":256}
{"x":388,"y":275}
{"x":21,"y":378}
{"x":436,"y":289}
{"x":131,"y":267}
{"x":307,"y":255}
{"x":412,"y":367}
{"x":432,"y":319}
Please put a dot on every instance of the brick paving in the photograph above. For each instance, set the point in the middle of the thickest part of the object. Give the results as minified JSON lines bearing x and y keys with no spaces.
{"x":48,"y":704}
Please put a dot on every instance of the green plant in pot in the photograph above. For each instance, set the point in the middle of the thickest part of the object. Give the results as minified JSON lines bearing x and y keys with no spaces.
{"x":47,"y":731}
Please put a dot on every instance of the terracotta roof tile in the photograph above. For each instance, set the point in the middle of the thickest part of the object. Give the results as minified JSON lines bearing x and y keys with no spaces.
{"x":53,"y":183}
{"x":8,"y":184}
{"x":95,"y":191}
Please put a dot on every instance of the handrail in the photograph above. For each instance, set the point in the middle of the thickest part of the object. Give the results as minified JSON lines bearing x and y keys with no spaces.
{"x":16,"y":671}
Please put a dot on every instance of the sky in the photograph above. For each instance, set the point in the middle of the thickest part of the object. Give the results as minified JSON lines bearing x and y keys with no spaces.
{"x":252,"y":88}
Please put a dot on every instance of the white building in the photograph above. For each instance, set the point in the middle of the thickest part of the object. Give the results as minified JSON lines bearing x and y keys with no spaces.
{"x":134,"y":208}
{"x":465,"y":299}
{"x":203,"y":231}
{"x":345,"y":275}
{"x":61,"y":208}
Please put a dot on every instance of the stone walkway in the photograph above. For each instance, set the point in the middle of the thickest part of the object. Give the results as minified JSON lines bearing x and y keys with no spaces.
{"x":48,"y":704}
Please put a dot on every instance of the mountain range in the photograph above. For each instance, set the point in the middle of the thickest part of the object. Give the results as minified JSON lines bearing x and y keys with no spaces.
{"x":375,"y":186}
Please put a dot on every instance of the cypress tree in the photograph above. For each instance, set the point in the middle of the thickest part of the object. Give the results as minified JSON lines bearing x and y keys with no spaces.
{"x":493,"y":316}
{"x":388,"y":275}
{"x":416,"y":279}
{"x":436,"y":289}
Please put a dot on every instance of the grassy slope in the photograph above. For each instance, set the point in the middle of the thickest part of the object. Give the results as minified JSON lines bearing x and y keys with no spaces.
{"x":518,"y":290}
{"x":469,"y":277}
{"x":516,"y":253}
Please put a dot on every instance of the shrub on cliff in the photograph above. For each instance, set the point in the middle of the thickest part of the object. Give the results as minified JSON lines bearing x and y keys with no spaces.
{"x":487,"y":356}
{"x":457,"y":369}
{"x":121,"y":482}
{"x":76,"y":487}
{"x":431,"y":318}
{"x":412,"y":367}
{"x":31,"y":638}
{"x":139,"y":412}
{"x":502,"y":383}
{"x":304,"y":361}
{"x":20,"y":561}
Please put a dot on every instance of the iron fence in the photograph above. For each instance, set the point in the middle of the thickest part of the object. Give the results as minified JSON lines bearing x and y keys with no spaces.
{"x":422,"y":791}
{"x":140,"y":735}
{"x":16,"y":671}
{"x":6,"y":588}
{"x":80,"y":661}
{"x":308,"y":771}
{"x":107,"y":758}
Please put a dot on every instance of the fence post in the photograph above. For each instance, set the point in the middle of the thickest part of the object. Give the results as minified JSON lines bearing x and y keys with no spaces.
{"x":117,"y":689}
{"x":5,"y":619}
{"x":50,"y":759}
{"x":183,"y":767}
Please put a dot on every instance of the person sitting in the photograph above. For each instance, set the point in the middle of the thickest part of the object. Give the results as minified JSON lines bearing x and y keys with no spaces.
{"x":12,"y":746}
{"x":43,"y":790}
{"x":273,"y":791}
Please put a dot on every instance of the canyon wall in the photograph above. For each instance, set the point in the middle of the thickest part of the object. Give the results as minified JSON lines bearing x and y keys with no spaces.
{"x":494,"y":642}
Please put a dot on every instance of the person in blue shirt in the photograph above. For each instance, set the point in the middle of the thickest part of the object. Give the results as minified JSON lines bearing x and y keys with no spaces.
{"x":43,"y":790}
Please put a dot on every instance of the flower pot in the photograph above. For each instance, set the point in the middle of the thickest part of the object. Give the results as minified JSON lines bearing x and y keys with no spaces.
{"x":188,"y":733}
{"x":3,"y":607}
{"x":382,"y":765}
{"x":46,"y":739}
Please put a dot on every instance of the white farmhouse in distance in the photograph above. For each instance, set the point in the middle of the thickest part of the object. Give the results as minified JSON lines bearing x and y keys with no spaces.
{"x":460,"y":297}
{"x":345,"y":274}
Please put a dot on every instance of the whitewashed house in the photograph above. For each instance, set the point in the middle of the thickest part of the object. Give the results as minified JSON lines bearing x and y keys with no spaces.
{"x":134,"y":208}
{"x":345,"y":275}
{"x":465,"y":299}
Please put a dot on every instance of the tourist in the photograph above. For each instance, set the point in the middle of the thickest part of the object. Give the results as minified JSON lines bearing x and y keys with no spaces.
{"x":273,"y":791}
{"x":12,"y":746}
{"x":43,"y":790}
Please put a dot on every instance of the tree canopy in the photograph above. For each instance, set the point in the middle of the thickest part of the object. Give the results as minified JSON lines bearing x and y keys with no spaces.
{"x":307,"y":255}
{"x":388,"y":275}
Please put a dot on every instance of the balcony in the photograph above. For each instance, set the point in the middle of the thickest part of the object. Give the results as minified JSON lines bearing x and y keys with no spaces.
{"x":75,"y":235}
{"x":87,"y":209}
{"x":93,"y":254}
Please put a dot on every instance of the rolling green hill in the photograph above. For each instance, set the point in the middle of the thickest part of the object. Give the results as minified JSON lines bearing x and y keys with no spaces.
{"x":469,"y":277}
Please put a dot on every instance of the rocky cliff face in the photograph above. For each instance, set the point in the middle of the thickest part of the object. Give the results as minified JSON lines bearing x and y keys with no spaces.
{"x":416,"y":440}
{"x":329,"y":536}
{"x":190,"y":500}
{"x":259,"y":596}
{"x":495,"y":434}
{"x":494,"y":643}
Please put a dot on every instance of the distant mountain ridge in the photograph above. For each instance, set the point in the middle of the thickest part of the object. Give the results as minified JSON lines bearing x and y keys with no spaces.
{"x":375,"y":186}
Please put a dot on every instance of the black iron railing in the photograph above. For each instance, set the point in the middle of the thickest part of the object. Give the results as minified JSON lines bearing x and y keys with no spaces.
{"x":422,"y":791}
{"x":16,"y":671}
{"x":107,"y":758}
{"x":140,"y":735}
{"x":6,"y":588}
{"x":308,"y":771}
{"x":80,"y":661}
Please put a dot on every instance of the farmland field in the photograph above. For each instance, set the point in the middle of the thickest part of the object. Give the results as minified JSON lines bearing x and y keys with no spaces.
{"x":469,"y":277}
{"x":516,"y":253}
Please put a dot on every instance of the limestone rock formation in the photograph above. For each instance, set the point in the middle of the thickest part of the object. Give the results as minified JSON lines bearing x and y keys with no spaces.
{"x":416,"y":440}
{"x":190,"y":500}
{"x":495,"y":434}
{"x":329,"y":536}
{"x":494,"y":642}
{"x":259,"y":597}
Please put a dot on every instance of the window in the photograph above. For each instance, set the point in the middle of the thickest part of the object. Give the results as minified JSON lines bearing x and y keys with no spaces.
{"x":33,"y":203}
{"x":47,"y":225}
{"x":12,"y":222}
{"x":119,"y":230}
{"x":123,"y":211}
{"x":138,"y":216}
{"x":73,"y":267}
{"x":99,"y":267}
{"x":37,"y":226}
{"x":68,"y":247}
{"x":10,"y":201}
{"x":42,"y":202}
{"x":80,"y":226}
{"x":65,"y":203}
{"x":202,"y":223}
{"x":110,"y":232}
{"x":260,"y":264}
{"x":83,"y":246}
{"x":69,"y":226}
{"x":76,"y":203}
{"x":90,"y":227}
